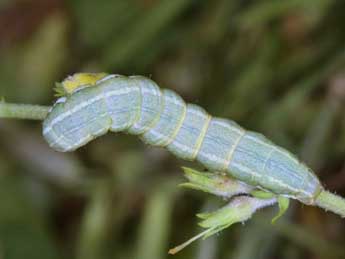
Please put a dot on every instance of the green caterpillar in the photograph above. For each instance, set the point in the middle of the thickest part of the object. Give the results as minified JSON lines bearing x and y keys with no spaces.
{"x":98,"y":103}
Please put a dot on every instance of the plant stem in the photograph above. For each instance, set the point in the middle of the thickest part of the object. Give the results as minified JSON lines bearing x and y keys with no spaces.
{"x":326,"y":200}
{"x":23,"y":111}
{"x":332,"y":202}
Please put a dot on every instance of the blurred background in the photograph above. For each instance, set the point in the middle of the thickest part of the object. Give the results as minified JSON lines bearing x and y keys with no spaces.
{"x":277,"y":67}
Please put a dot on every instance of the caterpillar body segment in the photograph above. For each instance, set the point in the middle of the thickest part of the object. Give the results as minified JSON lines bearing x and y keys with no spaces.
{"x":150,"y":105}
{"x":168,"y":121}
{"x":188,"y":139}
{"x":136,"y":105}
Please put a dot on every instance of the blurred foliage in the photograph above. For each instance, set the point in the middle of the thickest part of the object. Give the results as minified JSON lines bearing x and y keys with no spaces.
{"x":273,"y":66}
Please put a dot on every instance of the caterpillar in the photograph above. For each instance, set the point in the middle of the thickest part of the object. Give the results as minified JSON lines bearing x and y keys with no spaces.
{"x":97,"y":103}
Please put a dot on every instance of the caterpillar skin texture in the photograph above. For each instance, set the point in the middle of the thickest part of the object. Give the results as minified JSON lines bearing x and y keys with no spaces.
{"x":160,"y":117}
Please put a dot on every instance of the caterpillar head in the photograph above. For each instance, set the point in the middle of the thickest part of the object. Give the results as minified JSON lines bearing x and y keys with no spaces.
{"x":77,"y":81}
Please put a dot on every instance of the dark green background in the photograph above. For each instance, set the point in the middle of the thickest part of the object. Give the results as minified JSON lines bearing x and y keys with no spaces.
{"x":273,"y":66}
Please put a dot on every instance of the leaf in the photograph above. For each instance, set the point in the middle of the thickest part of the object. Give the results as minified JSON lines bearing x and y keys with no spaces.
{"x":59,"y":90}
{"x":262,"y":194}
{"x":283,"y":203}
{"x":215,"y":183}
{"x":239,"y":209}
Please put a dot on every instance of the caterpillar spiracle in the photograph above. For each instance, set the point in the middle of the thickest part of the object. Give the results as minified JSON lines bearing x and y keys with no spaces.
{"x":160,"y":117}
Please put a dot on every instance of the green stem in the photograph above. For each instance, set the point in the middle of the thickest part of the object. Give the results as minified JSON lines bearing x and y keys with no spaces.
{"x":23,"y":111}
{"x":326,"y":200}
{"x":332,"y":202}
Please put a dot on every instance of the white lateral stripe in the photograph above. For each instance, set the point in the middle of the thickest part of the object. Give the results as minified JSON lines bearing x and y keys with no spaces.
{"x":85,"y":104}
{"x":182,"y":146}
{"x":270,"y":178}
{"x":106,"y":78}
{"x":61,"y":100}
{"x":175,"y":143}
{"x":228,"y":126}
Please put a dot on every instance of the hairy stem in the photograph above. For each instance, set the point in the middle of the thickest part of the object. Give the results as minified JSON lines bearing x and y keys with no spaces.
{"x":332,"y":202}
{"x":23,"y":111}
{"x":326,"y":200}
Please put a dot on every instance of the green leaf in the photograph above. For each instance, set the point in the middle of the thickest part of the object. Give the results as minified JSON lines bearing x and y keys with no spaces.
{"x":239,"y":209}
{"x":262,"y":194}
{"x":215,"y":183}
{"x":283,"y":203}
{"x":59,"y":90}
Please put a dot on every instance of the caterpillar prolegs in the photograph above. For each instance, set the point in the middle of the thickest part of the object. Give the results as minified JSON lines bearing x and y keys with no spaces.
{"x":97,"y":103}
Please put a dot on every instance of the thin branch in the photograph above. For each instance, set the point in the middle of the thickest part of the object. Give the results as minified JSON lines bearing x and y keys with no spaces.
{"x":23,"y":111}
{"x":332,"y":202}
